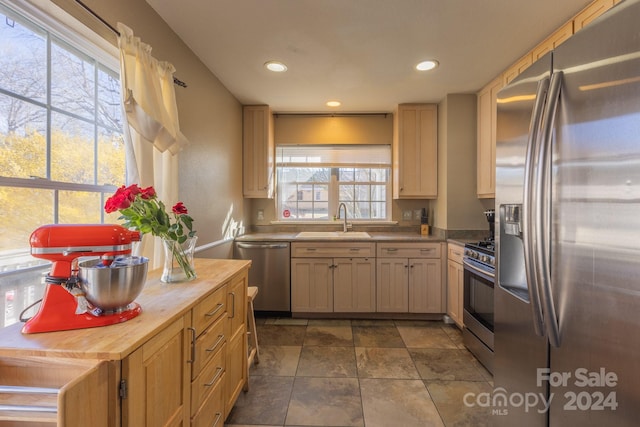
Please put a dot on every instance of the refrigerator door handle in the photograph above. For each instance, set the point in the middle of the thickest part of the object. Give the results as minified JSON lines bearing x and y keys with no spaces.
{"x":543,"y":210}
{"x":527,"y":206}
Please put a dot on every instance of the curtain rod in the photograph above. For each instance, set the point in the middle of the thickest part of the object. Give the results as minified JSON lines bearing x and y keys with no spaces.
{"x":112,"y":28}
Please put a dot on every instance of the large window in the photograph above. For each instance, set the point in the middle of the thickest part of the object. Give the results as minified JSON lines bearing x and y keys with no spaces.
{"x":61,"y":143}
{"x":314,"y":180}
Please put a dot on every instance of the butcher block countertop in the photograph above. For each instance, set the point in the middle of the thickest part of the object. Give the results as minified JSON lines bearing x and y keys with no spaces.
{"x":162,"y":304}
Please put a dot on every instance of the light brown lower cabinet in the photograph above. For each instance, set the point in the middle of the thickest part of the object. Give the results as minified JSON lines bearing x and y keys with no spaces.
{"x":455,"y":283}
{"x":409,"y":278}
{"x":157,"y":380}
{"x":182,"y":362}
{"x":30,"y":383}
{"x":192,"y":372}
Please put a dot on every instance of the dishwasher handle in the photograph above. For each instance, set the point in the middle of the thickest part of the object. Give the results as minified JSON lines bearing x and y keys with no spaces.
{"x":263,"y":245}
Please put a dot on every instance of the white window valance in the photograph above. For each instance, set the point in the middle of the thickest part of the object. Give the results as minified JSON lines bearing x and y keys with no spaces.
{"x":148,"y":93}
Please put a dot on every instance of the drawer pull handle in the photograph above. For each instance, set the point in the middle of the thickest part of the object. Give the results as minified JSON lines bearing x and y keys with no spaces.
{"x":193,"y":345}
{"x":219,"y":371}
{"x":218,"y":416}
{"x":220,"y":339}
{"x":456,"y":253}
{"x":392,"y":249}
{"x":426,"y":249}
{"x":311,"y":249}
{"x":354,"y":249}
{"x":215,"y":310}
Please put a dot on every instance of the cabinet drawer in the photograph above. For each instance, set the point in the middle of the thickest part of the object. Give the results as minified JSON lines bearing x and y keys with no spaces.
{"x":207,"y":344}
{"x":209,"y":378}
{"x":209,"y":310}
{"x":333,"y":250}
{"x":409,"y":250}
{"x":455,"y":252}
{"x":211,"y":414}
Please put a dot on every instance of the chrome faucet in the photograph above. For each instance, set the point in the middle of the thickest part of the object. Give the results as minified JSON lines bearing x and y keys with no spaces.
{"x":345,"y":226}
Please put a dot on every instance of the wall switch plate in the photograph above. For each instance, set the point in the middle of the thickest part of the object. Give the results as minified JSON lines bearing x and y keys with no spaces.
{"x":260,"y":214}
{"x":417,"y":214}
{"x":406,"y":215}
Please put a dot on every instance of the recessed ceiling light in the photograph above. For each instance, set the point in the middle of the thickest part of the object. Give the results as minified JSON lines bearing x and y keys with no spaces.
{"x":275,"y":66}
{"x":333,"y":103}
{"x":427,"y":65}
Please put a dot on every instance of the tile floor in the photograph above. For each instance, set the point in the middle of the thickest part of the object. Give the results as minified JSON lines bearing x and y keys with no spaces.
{"x":367,"y":373}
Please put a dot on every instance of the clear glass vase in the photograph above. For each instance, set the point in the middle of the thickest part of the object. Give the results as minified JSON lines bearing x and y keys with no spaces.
{"x":178,"y":260}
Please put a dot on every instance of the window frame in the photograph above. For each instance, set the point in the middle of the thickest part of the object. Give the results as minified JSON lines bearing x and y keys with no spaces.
{"x":56,"y":26}
{"x":334,"y":197}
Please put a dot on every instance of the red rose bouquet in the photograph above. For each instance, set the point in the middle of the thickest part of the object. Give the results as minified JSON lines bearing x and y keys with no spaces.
{"x":141,"y":210}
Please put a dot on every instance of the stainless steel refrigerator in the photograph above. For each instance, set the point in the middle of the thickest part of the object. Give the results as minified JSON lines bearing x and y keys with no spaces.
{"x":567,"y":300}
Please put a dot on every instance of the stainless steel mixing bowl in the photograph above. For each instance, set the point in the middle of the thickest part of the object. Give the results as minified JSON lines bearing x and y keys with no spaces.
{"x":113,"y":288}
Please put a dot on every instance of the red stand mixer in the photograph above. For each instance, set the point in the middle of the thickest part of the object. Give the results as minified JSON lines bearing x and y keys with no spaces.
{"x":63,"y":245}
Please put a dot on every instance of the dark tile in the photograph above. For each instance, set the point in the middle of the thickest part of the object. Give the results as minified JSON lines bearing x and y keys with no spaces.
{"x":455,"y":401}
{"x":446,"y":364}
{"x":330,"y":336}
{"x":277,"y":361}
{"x":385,"y":363}
{"x":325,"y":402}
{"x":391,"y":402}
{"x":266,"y":402}
{"x":377,"y":336}
{"x":329,"y":322}
{"x":425,"y":337}
{"x":317,"y":361}
{"x":372,"y":322}
{"x":280,"y":335}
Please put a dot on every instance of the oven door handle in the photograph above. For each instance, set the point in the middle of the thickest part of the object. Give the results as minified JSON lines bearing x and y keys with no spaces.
{"x":479,"y":271}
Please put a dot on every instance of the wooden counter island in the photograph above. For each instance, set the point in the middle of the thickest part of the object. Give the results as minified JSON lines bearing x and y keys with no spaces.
{"x":182,"y":361}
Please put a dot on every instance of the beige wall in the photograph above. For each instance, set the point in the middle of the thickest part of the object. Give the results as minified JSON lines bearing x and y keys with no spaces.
{"x":356,"y":129}
{"x":457,"y":206}
{"x":210,"y":117}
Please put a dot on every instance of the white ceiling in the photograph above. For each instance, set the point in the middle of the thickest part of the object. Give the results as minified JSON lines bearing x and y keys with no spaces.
{"x":361,"y":52}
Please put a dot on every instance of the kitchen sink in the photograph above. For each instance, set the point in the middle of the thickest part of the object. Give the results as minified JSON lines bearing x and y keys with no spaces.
{"x":333,"y":235}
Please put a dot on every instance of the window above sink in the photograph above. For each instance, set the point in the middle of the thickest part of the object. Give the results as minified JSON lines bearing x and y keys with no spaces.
{"x":314,"y":180}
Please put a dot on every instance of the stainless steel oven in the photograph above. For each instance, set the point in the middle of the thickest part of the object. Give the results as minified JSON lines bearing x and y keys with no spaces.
{"x":479,"y":279}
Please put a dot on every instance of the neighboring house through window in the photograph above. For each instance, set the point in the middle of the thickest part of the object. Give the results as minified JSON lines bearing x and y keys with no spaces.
{"x":313,"y":180}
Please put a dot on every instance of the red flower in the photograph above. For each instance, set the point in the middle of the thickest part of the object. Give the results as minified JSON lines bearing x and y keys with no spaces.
{"x":148,"y":193}
{"x":179,"y":209}
{"x":117,"y":202}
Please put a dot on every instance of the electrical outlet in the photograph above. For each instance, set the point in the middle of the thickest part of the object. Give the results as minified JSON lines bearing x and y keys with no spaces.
{"x":260,"y":214}
{"x":417,"y":214}
{"x":406,"y":215}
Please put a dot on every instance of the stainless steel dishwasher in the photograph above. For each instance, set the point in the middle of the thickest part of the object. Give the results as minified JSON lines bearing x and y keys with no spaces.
{"x":269,"y":271}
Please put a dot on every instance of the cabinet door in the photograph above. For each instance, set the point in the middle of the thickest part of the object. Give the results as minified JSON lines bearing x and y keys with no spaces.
{"x":311,"y":285}
{"x":425,"y":286}
{"x":236,"y":361}
{"x":258,"y":152}
{"x":415,"y":146}
{"x":486,"y":161}
{"x":392,"y":290}
{"x":157,"y":376}
{"x":354,"y":285}
{"x":454,"y":292}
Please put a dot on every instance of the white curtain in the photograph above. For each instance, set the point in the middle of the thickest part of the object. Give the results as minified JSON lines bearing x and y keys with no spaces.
{"x":153,"y":136}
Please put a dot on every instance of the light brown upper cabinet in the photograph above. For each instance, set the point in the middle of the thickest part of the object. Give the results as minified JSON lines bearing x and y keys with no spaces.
{"x":553,"y":41}
{"x":415,"y":152}
{"x":517,"y":68}
{"x":591,"y":12}
{"x":486,"y":162}
{"x":258,"y":152}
